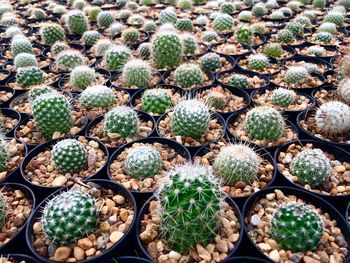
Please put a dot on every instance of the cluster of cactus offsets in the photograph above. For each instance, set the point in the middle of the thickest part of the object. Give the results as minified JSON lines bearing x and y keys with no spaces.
{"x":25,"y":60}
{"x":20,"y":44}
{"x":143,"y":162}
{"x":296,"y":227}
{"x":69,"y":156}
{"x":311,"y":166}
{"x":188,"y":75}
{"x":69,"y":216}
{"x":98,"y":96}
{"x":235,"y":163}
{"x":210,"y":61}
{"x":332,"y":118}
{"x":121,"y":122}
{"x":273,"y":50}
{"x":166,"y":49}
{"x":223,"y":22}
{"x":77,"y":22}
{"x":37,"y":91}
{"x":156,"y":101}
{"x":283,"y":97}
{"x":29,"y":76}
{"x":216,"y":100}
{"x":190,"y":207}
{"x":105,"y":19}
{"x":137,"y":73}
{"x":116,"y":57}
{"x":264,"y":123}
{"x":296,"y":75}
{"x":52,"y":113}
{"x":238,"y":81}
{"x":69,"y":59}
{"x":190,"y":118}
{"x":4,"y":158}
{"x":244,"y":35}
{"x":51,"y":33}
{"x":258,"y":62}
{"x":82,"y":77}
{"x":90,"y":37}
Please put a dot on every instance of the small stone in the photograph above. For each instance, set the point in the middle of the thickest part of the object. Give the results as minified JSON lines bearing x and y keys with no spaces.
{"x":202,"y":253}
{"x":79,"y":253}
{"x":59,"y":181}
{"x":279,"y":194}
{"x":297,"y":257}
{"x":308,"y":259}
{"x":85,"y":243}
{"x":340,"y":168}
{"x":222,"y":246}
{"x":324,"y":258}
{"x":273,"y":244}
{"x":104,"y":227}
{"x":119,"y":199}
{"x":174,"y":255}
{"x":270,"y":196}
{"x":264,"y":246}
{"x":90,"y":252}
{"x":93,"y":144}
{"x":274,"y":255}
{"x":115,"y":236}
{"x":255,"y":220}
{"x":37,"y":228}
{"x":62,"y":254}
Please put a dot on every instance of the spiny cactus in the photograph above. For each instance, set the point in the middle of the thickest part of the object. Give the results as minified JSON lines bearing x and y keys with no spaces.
{"x":20,"y":44}
{"x":13,"y":31}
{"x":189,"y":207}
{"x":227,"y":8}
{"x":143,"y":162}
{"x":116,"y":57}
{"x":3,"y":212}
{"x":188,"y":75}
{"x":202,"y":20}
{"x":343,"y":90}
{"x":334,"y":17}
{"x":184,"y":24}
{"x":184,"y":4}
{"x":52,"y":113}
{"x":311,"y":166}
{"x":296,"y":227}
{"x":58,"y":47}
{"x":130,"y":35}
{"x":238,"y":81}
{"x":69,"y":156}
{"x":258,"y":62}
{"x":276,"y":15}
{"x":210,"y":61}
{"x":29,"y":76}
{"x":323,"y":37}
{"x":316,"y":51}
{"x":82,"y":77}
{"x":283,"y":97}
{"x":69,"y":59}
{"x":77,"y":22}
{"x":122,"y":122}
{"x":69,"y":216}
{"x":102,"y":46}
{"x":166,"y":49}
{"x":90,"y":37}
{"x":285,"y":37}
{"x":328,"y":27}
{"x":4,"y":159}
{"x":149,"y":26}
{"x":24,"y":60}
{"x":144,"y":50}
{"x":237,"y":162}
{"x":320,"y":4}
{"x":209,"y":36}
{"x":244,"y":35}
{"x":190,"y":118}
{"x":216,"y":100}
{"x":273,"y":50}
{"x":189,"y":43}
{"x":51,"y":33}
{"x":258,"y":28}
{"x":296,"y":75}
{"x":296,"y":28}
{"x":223,"y":22}
{"x":259,"y":9}
{"x":137,"y":73}
{"x":116,"y":28}
{"x":264,"y":123}
{"x":156,"y":101}
{"x":97,"y":96}
{"x":93,"y":12}
{"x":167,"y":15}
{"x":105,"y":19}
{"x":37,"y":91}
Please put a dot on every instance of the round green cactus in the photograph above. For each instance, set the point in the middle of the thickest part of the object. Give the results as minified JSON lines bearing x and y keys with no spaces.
{"x":130,"y":35}
{"x":156,"y":101}
{"x":143,"y":162}
{"x":150,"y":26}
{"x":3,"y":212}
{"x":188,"y":75}
{"x":334,"y":17}
{"x":189,"y":43}
{"x":320,"y":4}
{"x":258,"y":62}
{"x":69,"y":217}
{"x":223,"y":22}
{"x":259,"y":9}
{"x":258,"y":28}
{"x":167,"y":15}
{"x":216,"y":100}
{"x":52,"y":113}
{"x":296,"y":28}
{"x":24,"y":60}
{"x":210,"y":61}
{"x":105,"y":19}
{"x":93,"y":12}
{"x":296,"y":75}
{"x":184,"y":24}
{"x":77,"y":22}
{"x":190,"y":118}
{"x":189,"y":216}
{"x":328,"y":27}
{"x":21,"y":44}
{"x":102,"y":46}
{"x":273,"y":50}
{"x":343,"y":90}
{"x":4,"y":159}
{"x":82,"y":77}
{"x":98,"y":96}
{"x":283,"y":97}
{"x":209,"y":36}
{"x":137,"y":73}
{"x":311,"y":166}
{"x":144,"y":50}
{"x":227,"y":8}
{"x":51,"y":33}
{"x":296,"y":227}
{"x":184,"y":4}
{"x":90,"y":37}
{"x":316,"y":51}
{"x":277,"y":15}
{"x":29,"y":76}
{"x":58,"y":47}
{"x":69,"y":156}
{"x":116,"y":28}
{"x":69,"y":59}
{"x":235,"y":163}
{"x":264,"y":123}
{"x":238,"y":81}
{"x":116,"y":57}
{"x":244,"y":35}
{"x":122,"y":122}
{"x":323,"y":37}
{"x":245,"y":16}
{"x":285,"y":37}
{"x":37,"y":91}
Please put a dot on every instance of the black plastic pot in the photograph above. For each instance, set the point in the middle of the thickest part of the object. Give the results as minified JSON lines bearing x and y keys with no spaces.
{"x":20,"y":257}
{"x":118,"y":249}
{"x":245,"y":260}
{"x":142,"y":116}
{"x":126,"y":260}
{"x":325,"y":87}
{"x":144,"y":210}
{"x":305,"y":196}
{"x":142,"y":197}
{"x":17,"y":243}
{"x":312,"y":60}
{"x":14,"y":115}
{"x":194,"y":149}
{"x":7,"y":90}
{"x":246,"y":73}
{"x":44,"y":191}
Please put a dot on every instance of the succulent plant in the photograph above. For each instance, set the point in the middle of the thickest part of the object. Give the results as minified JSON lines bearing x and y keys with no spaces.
{"x":150,"y":26}
{"x":25,"y":60}
{"x":77,"y":22}
{"x":209,"y":36}
{"x":79,"y":4}
{"x":316,"y":51}
{"x":296,"y":75}
{"x":244,"y":35}
{"x":259,"y":9}
{"x":12,"y":31}
{"x":283,"y":97}
{"x":116,"y":57}
{"x":184,"y":4}
{"x":258,"y":28}
{"x":189,"y":43}
{"x":328,"y":27}
{"x":238,"y":81}
{"x":210,"y":61}
{"x":156,"y":101}
{"x":69,"y":156}
{"x":264,"y":123}
{"x":223,"y":22}
{"x":51,"y":33}
{"x":105,"y":19}
{"x":93,"y":12}
{"x":97,"y":96}
{"x":227,"y":8}
{"x":69,"y":216}
{"x":4,"y":159}
{"x":90,"y":37}
{"x":130,"y":35}
{"x":82,"y":76}
{"x":144,"y":50}
{"x":184,"y":24}
{"x":345,"y":3}
{"x":285,"y":37}
{"x":58,"y":47}
{"x":215,"y":99}
{"x":343,"y":90}
{"x":37,"y":91}
{"x":189,"y":216}
{"x":167,"y":15}
{"x":296,"y":227}
{"x":102,"y":46}
{"x":258,"y":62}
{"x":69,"y":59}
{"x":29,"y":76}
{"x":334,"y":17}
{"x":137,"y":73}
{"x":190,"y":118}
{"x":202,"y":20}
{"x":20,"y":44}
{"x":273,"y":50}
{"x":188,"y":75}
{"x":52,"y":113}
{"x":324,"y":37}
{"x":296,"y":28}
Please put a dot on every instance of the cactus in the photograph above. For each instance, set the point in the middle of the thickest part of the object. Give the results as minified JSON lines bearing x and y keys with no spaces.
{"x":124,"y":14}
{"x":29,"y":76}
{"x":328,"y":27}
{"x":343,"y":90}
{"x":122,"y":122}
{"x":136,"y":19}
{"x":69,"y":59}
{"x":20,"y":44}
{"x":283,"y":97}
{"x":190,"y":118}
{"x":58,"y":47}
{"x":223,"y":22}
{"x":105,"y":19}
{"x":332,"y":118}
{"x":316,"y":51}
{"x":143,"y":162}
{"x":296,"y":75}
{"x":37,"y":91}
{"x":244,"y":35}
{"x":264,"y":123}
{"x":13,"y":31}
{"x":166,"y":50}
{"x":345,"y":3}
{"x":285,"y":37}
{"x":209,"y":36}
{"x":79,"y":4}
{"x":93,"y":12}
{"x":116,"y":28}
{"x":144,"y":50}
{"x":25,"y":60}
{"x":90,"y":37}
{"x":130,"y":35}
{"x":238,"y":81}
{"x":188,"y":75}
{"x":296,"y":28}
{"x":210,"y":61}
{"x":102,"y":46}
{"x":273,"y":50}
{"x":98,"y":96}
{"x":77,"y":22}
{"x":189,"y":44}
{"x":334,"y":17}
{"x":184,"y":4}
{"x":227,"y":8}
{"x":303,"y":20}
{"x":146,"y":2}
{"x":189,"y":216}
{"x":8,"y":20}
{"x":311,"y":166}
{"x":296,"y":227}
{"x":259,"y":9}
{"x":216,"y":100}
{"x":59,"y":9}
{"x":235,"y":163}
{"x":277,"y":15}
{"x":324,"y":37}
{"x":137,"y":73}
{"x":116,"y":57}
{"x":69,"y":156}
{"x":4,"y":159}
{"x":202,"y":20}
{"x":51,"y":33}
{"x":167,"y":15}
{"x":156,"y":101}
{"x":149,"y":26}
{"x":258,"y":28}
{"x":69,"y":216}
{"x":258,"y":62}
{"x":184,"y":24}
{"x":82,"y":77}
{"x":3,"y":211}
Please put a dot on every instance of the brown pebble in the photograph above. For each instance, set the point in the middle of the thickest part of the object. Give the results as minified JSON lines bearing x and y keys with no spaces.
{"x":62,"y":254}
